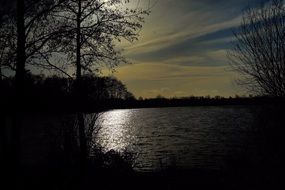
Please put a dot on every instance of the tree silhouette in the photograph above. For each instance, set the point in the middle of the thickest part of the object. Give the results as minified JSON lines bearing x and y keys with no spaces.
{"x":6,"y":9}
{"x":90,"y":29}
{"x":26,"y":29}
{"x":92,"y":26}
{"x":83,"y":31}
{"x":259,"y":49}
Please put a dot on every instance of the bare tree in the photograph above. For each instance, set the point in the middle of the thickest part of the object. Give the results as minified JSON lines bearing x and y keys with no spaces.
{"x":91,"y":28}
{"x":6,"y":7}
{"x":259,"y":49}
{"x":7,"y":48}
{"x":25,"y":33}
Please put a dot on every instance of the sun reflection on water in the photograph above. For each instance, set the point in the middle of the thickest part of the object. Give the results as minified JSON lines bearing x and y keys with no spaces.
{"x":198,"y":137}
{"x":115,"y":130}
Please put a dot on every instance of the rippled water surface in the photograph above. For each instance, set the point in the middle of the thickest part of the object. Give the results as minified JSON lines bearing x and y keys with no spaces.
{"x":191,"y":137}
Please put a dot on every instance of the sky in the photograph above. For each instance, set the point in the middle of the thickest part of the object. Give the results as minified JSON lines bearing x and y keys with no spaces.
{"x":182,"y":49}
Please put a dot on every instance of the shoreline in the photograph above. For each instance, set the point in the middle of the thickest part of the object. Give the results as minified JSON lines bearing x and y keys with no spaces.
{"x":69,"y":106}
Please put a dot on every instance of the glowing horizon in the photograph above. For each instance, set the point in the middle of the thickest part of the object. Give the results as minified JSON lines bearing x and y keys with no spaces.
{"x":182,"y":50}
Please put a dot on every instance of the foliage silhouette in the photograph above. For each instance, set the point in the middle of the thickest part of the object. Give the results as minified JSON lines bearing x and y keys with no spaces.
{"x":258,"y":52}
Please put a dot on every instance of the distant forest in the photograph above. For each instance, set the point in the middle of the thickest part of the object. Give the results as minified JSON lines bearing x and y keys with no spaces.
{"x":101,"y":93}
{"x":60,"y":92}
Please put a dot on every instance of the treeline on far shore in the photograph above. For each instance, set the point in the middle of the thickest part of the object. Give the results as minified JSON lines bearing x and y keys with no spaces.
{"x":57,"y":94}
{"x":202,"y":101}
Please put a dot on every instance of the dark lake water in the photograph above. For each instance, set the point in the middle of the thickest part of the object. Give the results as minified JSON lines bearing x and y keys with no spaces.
{"x":190,"y":137}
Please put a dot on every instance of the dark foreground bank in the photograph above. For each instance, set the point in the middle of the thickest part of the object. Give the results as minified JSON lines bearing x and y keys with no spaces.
{"x":242,"y":176}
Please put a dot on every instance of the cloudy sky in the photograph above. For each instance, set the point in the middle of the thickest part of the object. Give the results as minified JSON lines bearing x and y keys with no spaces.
{"x":182,"y":49}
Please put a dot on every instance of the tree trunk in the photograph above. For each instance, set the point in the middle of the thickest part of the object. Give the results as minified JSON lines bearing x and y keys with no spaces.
{"x":21,"y":52}
{"x":14,"y":147}
{"x":78,"y":47}
{"x":80,"y":117}
{"x":82,"y":136}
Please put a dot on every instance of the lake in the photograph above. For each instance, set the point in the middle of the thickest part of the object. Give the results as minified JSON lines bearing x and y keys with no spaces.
{"x":184,"y":137}
{"x":231,"y":146}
